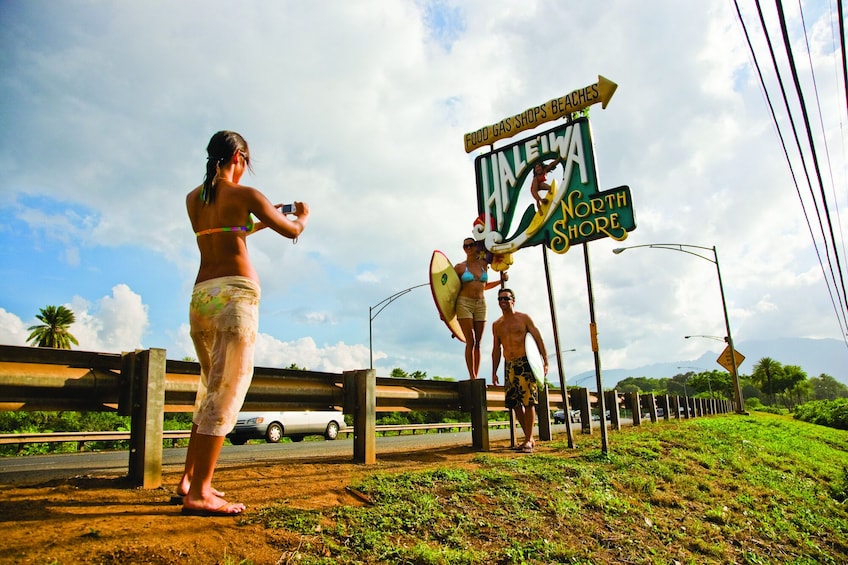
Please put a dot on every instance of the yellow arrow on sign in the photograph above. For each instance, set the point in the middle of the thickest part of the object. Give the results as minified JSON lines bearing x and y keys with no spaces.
{"x":554,"y":109}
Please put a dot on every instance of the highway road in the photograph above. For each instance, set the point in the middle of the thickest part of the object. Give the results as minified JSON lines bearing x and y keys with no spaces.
{"x":35,"y":469}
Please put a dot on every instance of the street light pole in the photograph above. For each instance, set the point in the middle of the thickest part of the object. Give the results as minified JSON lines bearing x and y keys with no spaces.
{"x":379,"y":307}
{"x":685,"y":248}
{"x":562,"y":351}
{"x":559,"y":359}
{"x":715,"y":337}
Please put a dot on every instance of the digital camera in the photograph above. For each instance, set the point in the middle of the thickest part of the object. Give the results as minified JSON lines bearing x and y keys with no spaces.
{"x":288,"y":209}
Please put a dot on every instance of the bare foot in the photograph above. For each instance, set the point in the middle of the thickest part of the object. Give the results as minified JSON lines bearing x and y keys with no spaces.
{"x":212,"y":506}
{"x":224,"y":509}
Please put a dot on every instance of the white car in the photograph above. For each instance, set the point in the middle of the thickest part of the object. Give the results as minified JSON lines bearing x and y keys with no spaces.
{"x":559,"y":416}
{"x":274,"y":426}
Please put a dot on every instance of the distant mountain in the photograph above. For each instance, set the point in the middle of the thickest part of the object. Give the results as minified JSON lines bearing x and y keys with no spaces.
{"x":814,"y":356}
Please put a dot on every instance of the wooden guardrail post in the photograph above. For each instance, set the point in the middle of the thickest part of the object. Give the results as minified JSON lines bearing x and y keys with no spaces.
{"x":675,"y":405}
{"x":665,"y":405}
{"x":611,"y":401}
{"x":472,"y":398}
{"x":147,"y":416}
{"x":543,"y":413}
{"x":360,"y":394}
{"x":651,"y":405}
{"x":580,"y":399}
{"x":636,"y":405}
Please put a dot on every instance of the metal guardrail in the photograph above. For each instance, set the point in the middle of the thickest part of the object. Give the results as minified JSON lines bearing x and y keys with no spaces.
{"x":81,"y":437}
{"x":54,"y":379}
{"x":144,"y":384}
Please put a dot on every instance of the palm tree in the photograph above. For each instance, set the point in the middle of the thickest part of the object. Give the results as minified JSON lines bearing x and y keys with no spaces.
{"x":794,"y":382}
{"x":54,"y":332}
{"x":766,"y":372}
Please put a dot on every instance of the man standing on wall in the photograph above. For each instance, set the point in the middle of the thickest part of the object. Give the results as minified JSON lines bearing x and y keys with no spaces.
{"x":522,"y":393}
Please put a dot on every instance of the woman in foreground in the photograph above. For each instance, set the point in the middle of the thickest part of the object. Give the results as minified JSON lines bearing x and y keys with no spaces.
{"x":224,"y":310}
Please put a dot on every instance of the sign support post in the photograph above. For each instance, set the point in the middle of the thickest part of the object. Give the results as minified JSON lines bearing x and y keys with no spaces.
{"x":562,"y":389}
{"x":593,"y":329}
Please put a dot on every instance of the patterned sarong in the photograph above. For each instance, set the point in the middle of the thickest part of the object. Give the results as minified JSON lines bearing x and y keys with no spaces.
{"x":224,"y":318}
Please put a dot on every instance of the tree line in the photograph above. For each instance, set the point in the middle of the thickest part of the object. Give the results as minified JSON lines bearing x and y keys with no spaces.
{"x":770,"y":384}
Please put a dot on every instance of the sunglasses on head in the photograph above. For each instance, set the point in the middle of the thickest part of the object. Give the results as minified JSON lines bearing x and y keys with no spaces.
{"x":504,"y":298}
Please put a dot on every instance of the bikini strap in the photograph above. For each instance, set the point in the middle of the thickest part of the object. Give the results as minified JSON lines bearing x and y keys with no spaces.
{"x":248,"y":228}
{"x":216,"y":230}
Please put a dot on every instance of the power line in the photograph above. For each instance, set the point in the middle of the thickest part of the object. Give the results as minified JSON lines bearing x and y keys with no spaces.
{"x":823,"y":132}
{"x":808,"y":129}
{"x":840,"y":297}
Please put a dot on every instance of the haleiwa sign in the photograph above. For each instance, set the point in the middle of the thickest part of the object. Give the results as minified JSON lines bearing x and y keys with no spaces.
{"x":513,"y":213}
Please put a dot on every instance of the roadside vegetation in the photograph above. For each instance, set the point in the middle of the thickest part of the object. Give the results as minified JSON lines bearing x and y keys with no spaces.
{"x":726,"y":489}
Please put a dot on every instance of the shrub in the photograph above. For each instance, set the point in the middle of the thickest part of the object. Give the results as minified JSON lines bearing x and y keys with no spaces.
{"x":831,"y":413}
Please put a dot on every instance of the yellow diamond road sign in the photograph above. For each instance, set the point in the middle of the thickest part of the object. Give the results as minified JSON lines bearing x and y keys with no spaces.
{"x":725,"y":361}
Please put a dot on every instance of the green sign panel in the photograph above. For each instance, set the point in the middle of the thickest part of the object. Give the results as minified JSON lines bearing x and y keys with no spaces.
{"x":518,"y":206}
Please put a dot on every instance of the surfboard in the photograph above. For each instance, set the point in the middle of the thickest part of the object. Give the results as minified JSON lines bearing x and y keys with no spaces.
{"x":445,"y":285}
{"x":535,"y":358}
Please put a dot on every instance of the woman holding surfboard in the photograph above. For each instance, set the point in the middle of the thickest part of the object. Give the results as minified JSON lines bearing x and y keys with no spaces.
{"x":470,"y":303}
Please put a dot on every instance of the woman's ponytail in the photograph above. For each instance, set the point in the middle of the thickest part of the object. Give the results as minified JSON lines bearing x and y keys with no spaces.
{"x":222,"y":147}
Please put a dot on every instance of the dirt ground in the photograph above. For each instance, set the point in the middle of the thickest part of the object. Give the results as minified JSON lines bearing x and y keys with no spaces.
{"x":103,"y":519}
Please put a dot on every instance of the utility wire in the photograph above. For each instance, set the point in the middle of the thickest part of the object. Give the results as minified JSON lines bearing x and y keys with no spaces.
{"x":842,"y":49}
{"x":809,"y":132}
{"x":839,"y":315}
{"x":844,"y":74}
{"x":824,"y":137}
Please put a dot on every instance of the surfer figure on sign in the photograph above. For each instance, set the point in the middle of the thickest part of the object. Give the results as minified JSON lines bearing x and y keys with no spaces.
{"x":540,"y":180}
{"x":470,"y":303}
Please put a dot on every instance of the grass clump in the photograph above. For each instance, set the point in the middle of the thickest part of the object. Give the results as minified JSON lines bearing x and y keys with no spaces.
{"x":727,"y":489}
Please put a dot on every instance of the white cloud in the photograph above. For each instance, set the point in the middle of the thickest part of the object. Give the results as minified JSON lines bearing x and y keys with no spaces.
{"x":305,"y":353}
{"x":12,"y":330}
{"x":114,"y":324}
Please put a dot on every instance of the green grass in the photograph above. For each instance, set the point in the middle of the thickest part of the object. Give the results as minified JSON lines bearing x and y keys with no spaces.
{"x":726,"y":489}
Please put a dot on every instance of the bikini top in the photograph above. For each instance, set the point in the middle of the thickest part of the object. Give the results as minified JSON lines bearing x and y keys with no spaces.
{"x":468,"y":276}
{"x":246,"y":228}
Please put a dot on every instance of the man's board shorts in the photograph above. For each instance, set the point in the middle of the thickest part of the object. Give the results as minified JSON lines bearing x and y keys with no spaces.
{"x":520,"y":384}
{"x":474,"y":308}
{"x":224,"y":319}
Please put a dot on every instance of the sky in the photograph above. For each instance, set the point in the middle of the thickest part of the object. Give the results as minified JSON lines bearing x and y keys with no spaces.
{"x":360,"y":109}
